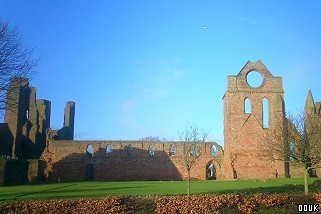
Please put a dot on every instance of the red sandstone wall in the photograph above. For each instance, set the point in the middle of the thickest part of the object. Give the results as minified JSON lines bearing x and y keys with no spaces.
{"x":68,"y":160}
{"x":244,"y":135}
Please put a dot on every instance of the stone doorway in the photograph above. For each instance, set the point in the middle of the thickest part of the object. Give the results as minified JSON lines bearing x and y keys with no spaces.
{"x":89,"y":173}
{"x":210,"y":171}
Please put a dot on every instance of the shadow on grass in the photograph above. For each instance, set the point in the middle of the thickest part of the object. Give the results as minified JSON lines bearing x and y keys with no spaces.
{"x":14,"y":198}
{"x":289,"y":188}
{"x":56,"y":192}
{"x":107,"y":189}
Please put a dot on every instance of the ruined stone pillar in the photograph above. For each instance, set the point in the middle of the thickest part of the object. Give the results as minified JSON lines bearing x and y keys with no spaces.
{"x":69,"y":120}
{"x":33,"y":115}
{"x":16,"y":111}
{"x":44,"y":109}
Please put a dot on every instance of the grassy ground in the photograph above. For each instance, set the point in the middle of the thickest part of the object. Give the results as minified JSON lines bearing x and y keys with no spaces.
{"x":101,"y":189}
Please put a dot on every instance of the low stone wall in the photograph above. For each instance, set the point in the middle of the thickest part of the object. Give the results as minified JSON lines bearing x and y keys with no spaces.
{"x":17,"y":172}
{"x":33,"y":170}
{"x":127,"y":160}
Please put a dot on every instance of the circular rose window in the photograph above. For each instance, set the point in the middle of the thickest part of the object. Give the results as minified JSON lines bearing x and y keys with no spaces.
{"x":254,"y":79}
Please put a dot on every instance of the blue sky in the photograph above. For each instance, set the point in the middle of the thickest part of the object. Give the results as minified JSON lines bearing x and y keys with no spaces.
{"x":146,"y":68}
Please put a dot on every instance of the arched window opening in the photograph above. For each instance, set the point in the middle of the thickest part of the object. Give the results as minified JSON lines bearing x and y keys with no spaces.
{"x":291,"y":148}
{"x":265,"y":113}
{"x":210,"y":171}
{"x":192,"y":150}
{"x":247,"y":106}
{"x":213,"y":150}
{"x":129,"y":150}
{"x":108,"y":149}
{"x":90,"y":150}
{"x":151,"y":150}
{"x":171,"y":150}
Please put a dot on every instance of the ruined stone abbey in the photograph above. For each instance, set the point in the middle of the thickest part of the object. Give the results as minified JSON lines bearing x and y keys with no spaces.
{"x":31,"y":151}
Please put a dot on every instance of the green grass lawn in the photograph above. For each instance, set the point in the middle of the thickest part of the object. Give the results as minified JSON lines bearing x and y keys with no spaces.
{"x":102,"y":189}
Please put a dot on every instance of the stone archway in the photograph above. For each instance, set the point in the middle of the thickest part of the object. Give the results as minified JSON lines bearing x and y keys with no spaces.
{"x":210,"y":171}
{"x":89,"y":173}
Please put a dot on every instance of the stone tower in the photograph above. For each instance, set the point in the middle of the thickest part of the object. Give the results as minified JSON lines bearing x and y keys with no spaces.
{"x":69,"y":120}
{"x":67,"y":131}
{"x":311,"y":107}
{"x":44,"y":111}
{"x":27,"y":119}
{"x":312,"y":116}
{"x":17,"y":112}
{"x":249,"y":112}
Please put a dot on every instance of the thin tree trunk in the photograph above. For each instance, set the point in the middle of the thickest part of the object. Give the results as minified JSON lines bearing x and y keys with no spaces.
{"x":287,"y":169}
{"x":306,"y":187}
{"x":188,"y":182}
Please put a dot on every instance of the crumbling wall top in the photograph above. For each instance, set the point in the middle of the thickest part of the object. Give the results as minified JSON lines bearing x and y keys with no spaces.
{"x":240,"y":81}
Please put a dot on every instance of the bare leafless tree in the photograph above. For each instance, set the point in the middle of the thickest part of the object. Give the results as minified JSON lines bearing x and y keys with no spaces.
{"x":16,"y":61}
{"x":297,"y":140}
{"x":192,"y":148}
